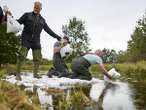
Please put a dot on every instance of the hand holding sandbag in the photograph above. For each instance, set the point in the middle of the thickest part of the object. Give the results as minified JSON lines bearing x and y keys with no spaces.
{"x":113,"y":73}
{"x":65,"y":50}
{"x":13,"y":25}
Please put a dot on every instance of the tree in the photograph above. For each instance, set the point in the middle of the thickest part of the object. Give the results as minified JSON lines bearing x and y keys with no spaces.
{"x":110,"y":56}
{"x":78,"y":36}
{"x":9,"y":45}
{"x":137,"y":44}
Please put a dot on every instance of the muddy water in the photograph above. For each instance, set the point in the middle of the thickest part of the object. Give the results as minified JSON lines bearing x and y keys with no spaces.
{"x":127,"y":95}
{"x":114,"y":96}
{"x":117,"y":96}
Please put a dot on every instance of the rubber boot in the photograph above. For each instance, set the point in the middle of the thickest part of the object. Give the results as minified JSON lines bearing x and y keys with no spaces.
{"x":20,"y":60}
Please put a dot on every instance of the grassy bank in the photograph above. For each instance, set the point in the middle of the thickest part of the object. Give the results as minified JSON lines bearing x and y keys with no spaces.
{"x":13,"y":98}
{"x":132,"y":70}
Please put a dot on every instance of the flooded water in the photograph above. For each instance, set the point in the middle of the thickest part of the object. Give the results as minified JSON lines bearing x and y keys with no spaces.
{"x":118,"y":95}
{"x":109,"y":96}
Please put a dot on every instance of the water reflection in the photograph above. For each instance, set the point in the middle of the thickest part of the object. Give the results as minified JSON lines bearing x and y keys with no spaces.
{"x":114,"y":96}
{"x":103,"y":95}
{"x":110,"y":96}
{"x":46,"y":100}
{"x":118,"y":97}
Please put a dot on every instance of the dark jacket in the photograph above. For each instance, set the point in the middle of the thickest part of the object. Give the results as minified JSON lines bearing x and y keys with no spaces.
{"x":33,"y":25}
{"x":1,"y":15}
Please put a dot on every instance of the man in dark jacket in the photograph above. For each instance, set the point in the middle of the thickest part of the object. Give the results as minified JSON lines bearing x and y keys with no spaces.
{"x":33,"y":24}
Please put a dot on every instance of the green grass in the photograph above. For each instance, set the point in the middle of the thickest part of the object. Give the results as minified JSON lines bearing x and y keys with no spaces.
{"x":13,"y":98}
{"x":128,"y":70}
{"x":134,"y":70}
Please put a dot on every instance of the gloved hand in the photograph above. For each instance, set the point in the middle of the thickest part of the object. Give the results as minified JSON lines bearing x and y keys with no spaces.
{"x":113,"y":73}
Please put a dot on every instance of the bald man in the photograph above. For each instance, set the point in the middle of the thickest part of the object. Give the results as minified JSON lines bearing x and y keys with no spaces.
{"x":80,"y":65}
{"x":33,"y":24}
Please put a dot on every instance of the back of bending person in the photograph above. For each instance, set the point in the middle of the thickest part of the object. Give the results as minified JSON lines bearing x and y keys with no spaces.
{"x":80,"y":65}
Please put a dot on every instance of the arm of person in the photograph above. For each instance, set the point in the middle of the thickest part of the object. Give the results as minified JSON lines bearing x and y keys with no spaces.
{"x":50,"y":32}
{"x":105,"y":72}
{"x":22,"y":19}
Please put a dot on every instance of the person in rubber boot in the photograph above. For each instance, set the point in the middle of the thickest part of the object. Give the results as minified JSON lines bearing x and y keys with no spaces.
{"x":60,"y":68}
{"x":30,"y":39}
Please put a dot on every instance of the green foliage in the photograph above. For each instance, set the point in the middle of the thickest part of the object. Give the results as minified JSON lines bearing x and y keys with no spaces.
{"x":110,"y":56}
{"x":75,"y":100}
{"x":122,"y":57}
{"x":78,"y":36}
{"x":135,"y":71}
{"x":9,"y":45}
{"x":137,"y":45}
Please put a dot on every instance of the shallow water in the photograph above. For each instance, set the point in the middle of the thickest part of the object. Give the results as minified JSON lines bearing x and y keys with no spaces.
{"x":114,"y":96}
{"x":127,"y":95}
{"x":117,"y":96}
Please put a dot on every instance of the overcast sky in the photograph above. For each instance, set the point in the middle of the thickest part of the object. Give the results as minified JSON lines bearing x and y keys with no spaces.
{"x":109,"y":23}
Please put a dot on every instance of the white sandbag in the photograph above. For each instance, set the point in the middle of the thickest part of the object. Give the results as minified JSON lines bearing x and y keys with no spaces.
{"x":113,"y":73}
{"x":66,"y":50}
{"x":45,"y":100}
{"x":96,"y":91}
{"x":13,"y":25}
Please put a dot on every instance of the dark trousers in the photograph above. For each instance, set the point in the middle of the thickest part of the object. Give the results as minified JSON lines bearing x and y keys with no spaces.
{"x":36,"y":59}
{"x":80,"y":68}
{"x":59,"y":64}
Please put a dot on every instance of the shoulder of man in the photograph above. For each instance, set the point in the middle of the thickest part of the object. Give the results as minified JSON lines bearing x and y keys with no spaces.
{"x":42,"y":17}
{"x":27,"y":14}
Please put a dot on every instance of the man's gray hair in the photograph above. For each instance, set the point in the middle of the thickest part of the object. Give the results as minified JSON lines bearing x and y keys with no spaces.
{"x":38,"y":2}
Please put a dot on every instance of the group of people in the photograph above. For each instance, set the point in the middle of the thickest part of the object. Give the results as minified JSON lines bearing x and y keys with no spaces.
{"x":34,"y":23}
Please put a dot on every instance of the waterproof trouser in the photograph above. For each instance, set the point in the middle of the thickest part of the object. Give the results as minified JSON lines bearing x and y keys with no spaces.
{"x":80,"y":68}
{"x":59,"y":64}
{"x":36,"y":59}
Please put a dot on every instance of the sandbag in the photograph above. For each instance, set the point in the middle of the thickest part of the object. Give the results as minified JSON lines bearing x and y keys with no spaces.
{"x":66,"y":50}
{"x":113,"y":73}
{"x":13,"y":25}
